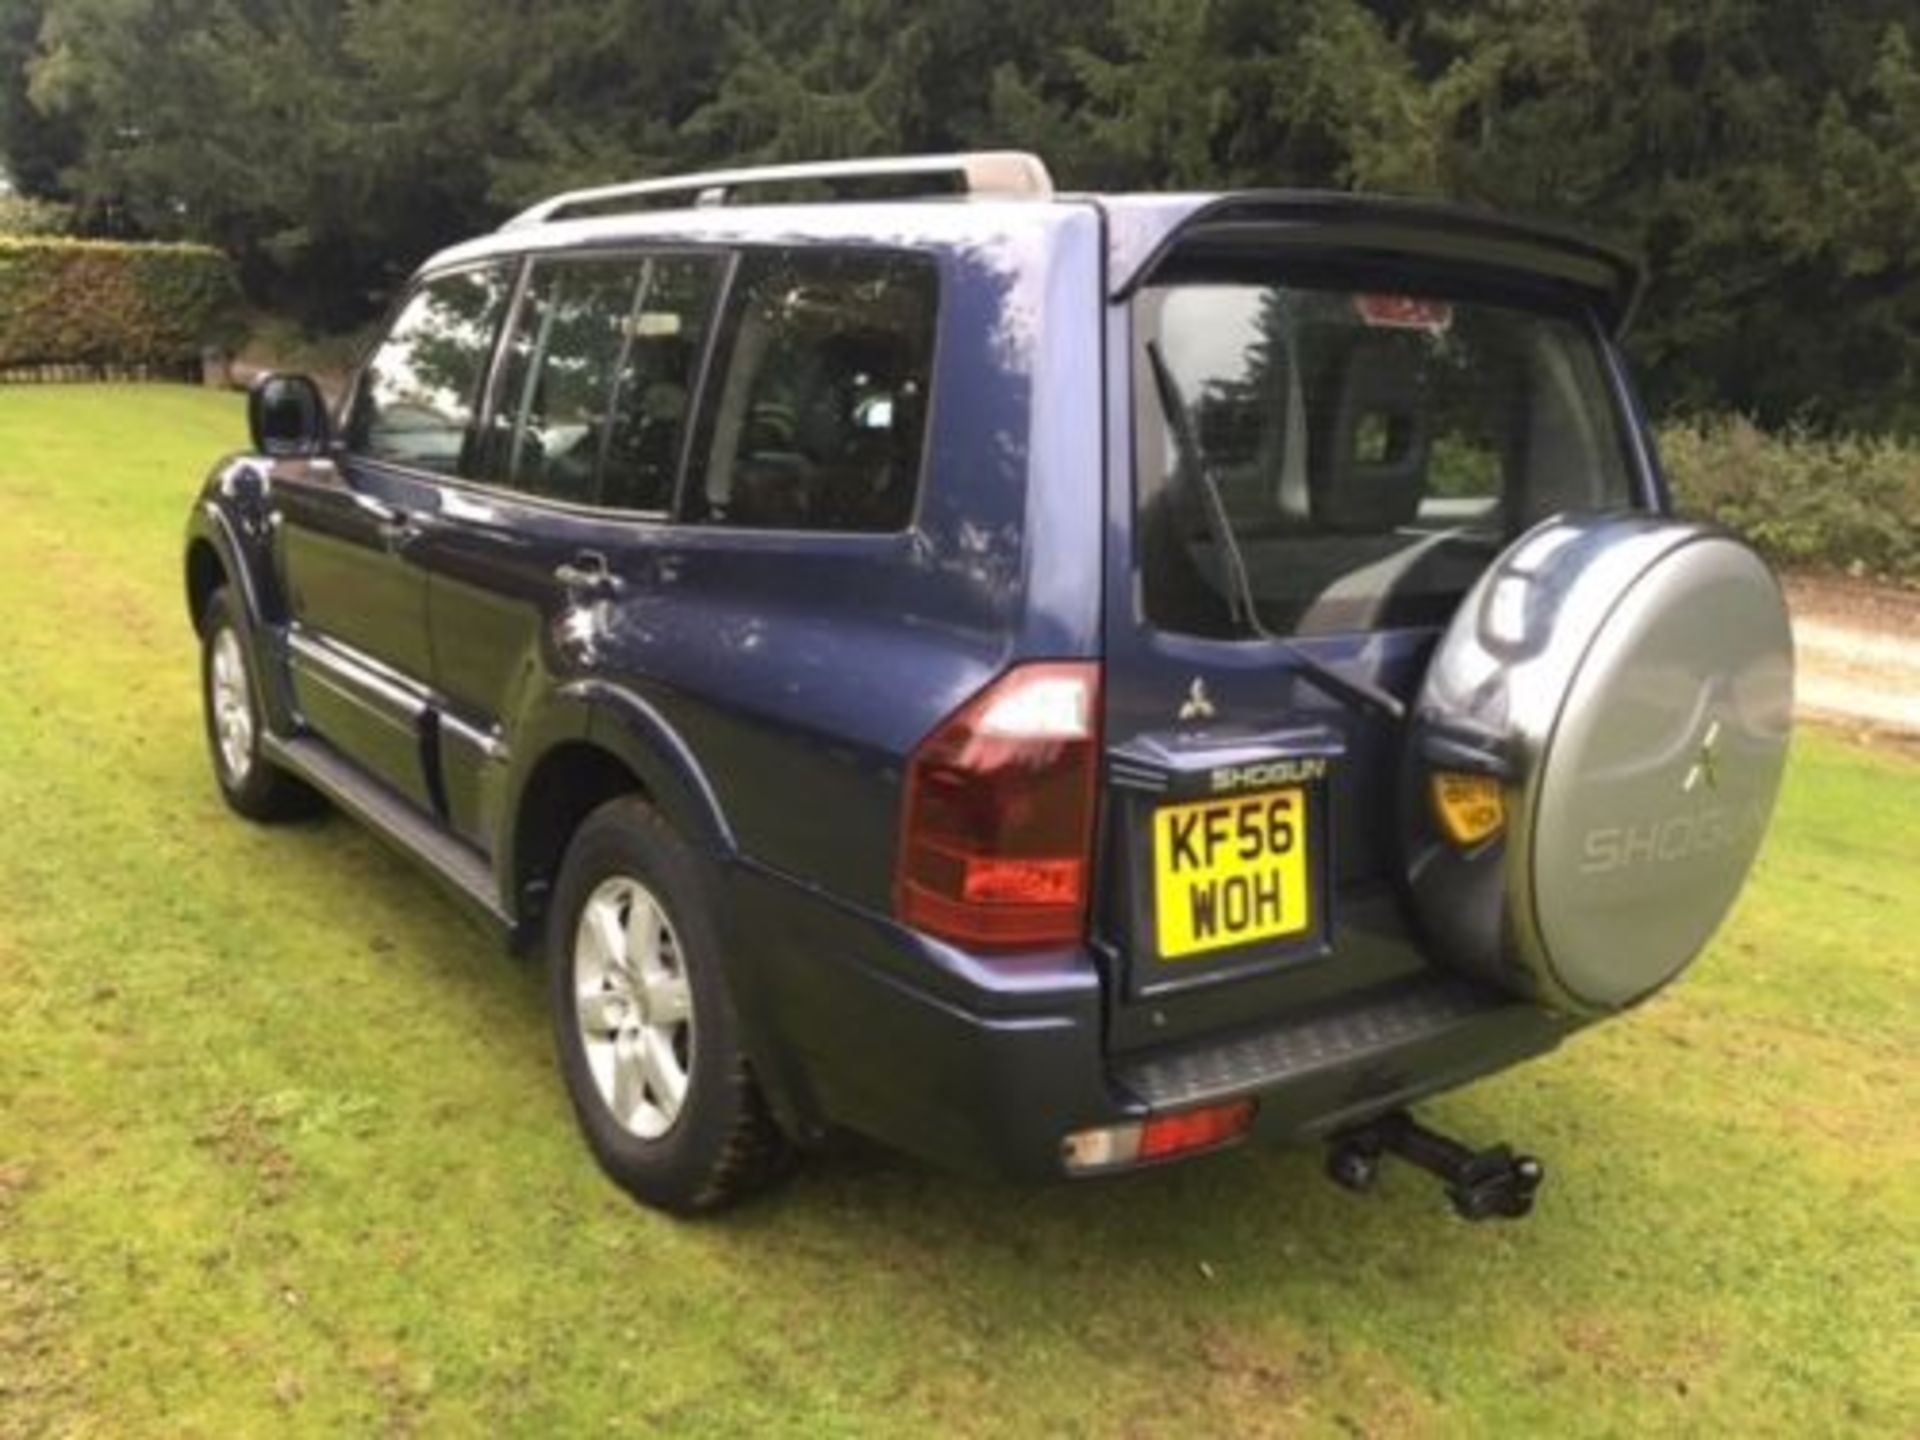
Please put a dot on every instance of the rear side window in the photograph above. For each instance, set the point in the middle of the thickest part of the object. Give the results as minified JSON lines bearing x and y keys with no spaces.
{"x":654,"y":382}
{"x":820,"y":411}
{"x":556,"y":374}
{"x":417,"y":396}
{"x":596,"y":379}
{"x":1373,"y":452}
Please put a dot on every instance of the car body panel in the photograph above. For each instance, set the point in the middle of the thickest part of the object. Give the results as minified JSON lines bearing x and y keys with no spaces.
{"x":767,"y":689}
{"x":1147,"y":229}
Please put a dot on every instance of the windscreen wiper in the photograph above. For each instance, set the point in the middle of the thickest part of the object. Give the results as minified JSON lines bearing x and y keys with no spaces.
{"x":1191,"y":468}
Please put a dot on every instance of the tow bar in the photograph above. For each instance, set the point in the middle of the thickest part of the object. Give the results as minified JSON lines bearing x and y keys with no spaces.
{"x":1490,"y":1184}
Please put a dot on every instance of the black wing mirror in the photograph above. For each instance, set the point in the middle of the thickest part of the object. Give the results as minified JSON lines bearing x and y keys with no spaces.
{"x":288,"y":416}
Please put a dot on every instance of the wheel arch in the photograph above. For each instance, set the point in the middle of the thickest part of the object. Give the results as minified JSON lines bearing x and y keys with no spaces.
{"x":215,"y":557}
{"x":601,"y":741}
{"x":206,"y":572}
{"x":218,"y":555}
{"x":597,"y":742}
{"x":227,"y":543}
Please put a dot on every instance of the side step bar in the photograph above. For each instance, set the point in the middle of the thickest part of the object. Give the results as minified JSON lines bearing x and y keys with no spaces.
{"x":463,"y":870}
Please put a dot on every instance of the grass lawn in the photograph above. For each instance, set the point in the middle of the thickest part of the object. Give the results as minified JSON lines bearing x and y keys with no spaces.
{"x":281,"y":1146}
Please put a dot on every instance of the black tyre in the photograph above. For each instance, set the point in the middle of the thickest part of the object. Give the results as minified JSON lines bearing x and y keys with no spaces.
{"x":648,"y":1043}
{"x":253,"y":785}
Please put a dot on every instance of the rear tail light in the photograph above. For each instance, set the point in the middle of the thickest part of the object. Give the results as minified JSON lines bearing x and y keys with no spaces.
{"x":996,"y":844}
{"x":1159,"y":1137}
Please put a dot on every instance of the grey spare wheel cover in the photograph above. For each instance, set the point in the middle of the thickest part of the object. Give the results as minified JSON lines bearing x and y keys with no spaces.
{"x":1630,"y":679}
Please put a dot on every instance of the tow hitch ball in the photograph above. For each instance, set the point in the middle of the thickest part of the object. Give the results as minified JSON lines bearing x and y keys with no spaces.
{"x":1485,"y":1184}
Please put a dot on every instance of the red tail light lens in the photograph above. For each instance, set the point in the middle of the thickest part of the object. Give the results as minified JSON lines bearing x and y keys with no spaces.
{"x":995,"y":847}
{"x":1165,"y":1136}
{"x":1159,"y":1137}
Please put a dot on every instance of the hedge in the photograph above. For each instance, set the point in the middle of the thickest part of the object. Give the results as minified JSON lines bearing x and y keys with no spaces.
{"x":1849,"y":504}
{"x":23,"y":215}
{"x":105,"y":303}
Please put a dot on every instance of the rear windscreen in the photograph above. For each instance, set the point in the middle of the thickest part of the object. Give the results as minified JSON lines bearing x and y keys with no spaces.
{"x":1372,"y":453}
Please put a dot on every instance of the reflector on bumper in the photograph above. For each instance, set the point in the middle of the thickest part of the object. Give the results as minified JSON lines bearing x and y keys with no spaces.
{"x":1159,"y":1137}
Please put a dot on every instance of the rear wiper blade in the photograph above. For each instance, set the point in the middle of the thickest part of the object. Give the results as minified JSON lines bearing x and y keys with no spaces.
{"x":1192,"y":468}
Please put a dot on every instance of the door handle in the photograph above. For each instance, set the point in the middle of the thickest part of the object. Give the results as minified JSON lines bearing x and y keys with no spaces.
{"x":377,"y":510}
{"x":394,"y":523}
{"x":588,"y":574}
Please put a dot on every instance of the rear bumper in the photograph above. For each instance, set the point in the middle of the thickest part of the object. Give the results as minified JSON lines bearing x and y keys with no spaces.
{"x":855,"y":1022}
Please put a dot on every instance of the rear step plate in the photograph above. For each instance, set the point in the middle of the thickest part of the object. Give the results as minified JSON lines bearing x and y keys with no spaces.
{"x":1364,"y":1035}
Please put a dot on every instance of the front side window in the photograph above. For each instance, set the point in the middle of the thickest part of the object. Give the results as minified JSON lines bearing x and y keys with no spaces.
{"x":1373,"y":453}
{"x":417,"y":397}
{"x":819,"y":420}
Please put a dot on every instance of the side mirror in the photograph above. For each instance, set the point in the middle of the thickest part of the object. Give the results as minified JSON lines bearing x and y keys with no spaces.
{"x":288,"y":417}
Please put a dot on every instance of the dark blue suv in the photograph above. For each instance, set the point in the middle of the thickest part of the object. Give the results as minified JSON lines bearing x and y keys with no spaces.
{"x":1052,"y":682}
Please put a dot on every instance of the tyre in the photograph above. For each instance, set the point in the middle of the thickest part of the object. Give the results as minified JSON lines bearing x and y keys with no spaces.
{"x":249,"y":782}
{"x":647,"y":1039}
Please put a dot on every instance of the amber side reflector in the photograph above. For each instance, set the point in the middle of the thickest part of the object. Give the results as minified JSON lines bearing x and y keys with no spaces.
{"x":1470,"y":808}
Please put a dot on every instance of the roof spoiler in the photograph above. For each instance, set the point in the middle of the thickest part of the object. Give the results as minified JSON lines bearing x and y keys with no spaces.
{"x":1271,"y":223}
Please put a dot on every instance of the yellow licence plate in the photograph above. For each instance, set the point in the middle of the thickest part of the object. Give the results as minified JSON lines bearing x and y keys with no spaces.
{"x":1230,"y":872}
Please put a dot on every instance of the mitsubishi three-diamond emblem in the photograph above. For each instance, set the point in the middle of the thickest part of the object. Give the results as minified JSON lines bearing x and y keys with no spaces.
{"x":1706,"y":764}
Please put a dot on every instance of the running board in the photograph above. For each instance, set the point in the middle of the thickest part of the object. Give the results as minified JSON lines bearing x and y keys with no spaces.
{"x":458,"y":866}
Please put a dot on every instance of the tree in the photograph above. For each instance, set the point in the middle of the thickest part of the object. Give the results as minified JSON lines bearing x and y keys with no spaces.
{"x":1764,"y":157}
{"x":1763,"y":154}
{"x":34,"y":147}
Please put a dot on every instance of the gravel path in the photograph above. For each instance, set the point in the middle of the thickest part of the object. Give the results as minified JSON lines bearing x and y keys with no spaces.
{"x":1858,"y":653}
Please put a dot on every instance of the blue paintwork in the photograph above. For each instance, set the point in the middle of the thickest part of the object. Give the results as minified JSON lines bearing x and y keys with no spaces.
{"x":767,"y":688}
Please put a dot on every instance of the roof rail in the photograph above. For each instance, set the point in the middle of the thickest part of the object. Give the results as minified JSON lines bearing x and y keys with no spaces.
{"x":980,"y":172}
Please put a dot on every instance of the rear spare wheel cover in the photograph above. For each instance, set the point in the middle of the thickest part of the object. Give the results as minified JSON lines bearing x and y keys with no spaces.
{"x":1632,"y":680}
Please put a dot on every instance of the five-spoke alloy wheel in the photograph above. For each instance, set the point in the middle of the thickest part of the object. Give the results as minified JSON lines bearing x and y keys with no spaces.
{"x":633,"y":1006}
{"x":230,"y":702}
{"x":250,"y":783}
{"x":648,"y":1040}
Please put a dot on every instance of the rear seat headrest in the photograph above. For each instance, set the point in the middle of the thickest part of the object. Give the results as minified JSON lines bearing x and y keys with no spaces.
{"x":1367,"y":463}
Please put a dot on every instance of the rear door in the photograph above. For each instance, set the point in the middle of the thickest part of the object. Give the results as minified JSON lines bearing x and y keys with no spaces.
{"x":1367,"y":453}
{"x":575,"y":472}
{"x":346,"y":527}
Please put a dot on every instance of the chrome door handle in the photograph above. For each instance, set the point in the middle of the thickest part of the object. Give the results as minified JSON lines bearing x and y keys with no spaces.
{"x":379,"y":511}
{"x":588,"y":572}
{"x":393,"y":523}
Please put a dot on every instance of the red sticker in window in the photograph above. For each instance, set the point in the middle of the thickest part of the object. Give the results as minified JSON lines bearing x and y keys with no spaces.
{"x":1404,"y":312}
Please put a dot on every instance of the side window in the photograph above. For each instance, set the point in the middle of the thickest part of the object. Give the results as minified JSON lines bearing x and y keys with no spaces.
{"x":654,"y":399}
{"x":597,"y":379}
{"x":819,"y":420}
{"x":551,"y":418}
{"x":416,"y":399}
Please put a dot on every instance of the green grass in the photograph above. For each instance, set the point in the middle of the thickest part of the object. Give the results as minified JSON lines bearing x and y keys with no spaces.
{"x":281,"y":1146}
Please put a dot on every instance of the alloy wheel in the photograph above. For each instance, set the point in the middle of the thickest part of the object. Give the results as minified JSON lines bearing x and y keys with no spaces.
{"x":633,"y":1006}
{"x":232,"y":705}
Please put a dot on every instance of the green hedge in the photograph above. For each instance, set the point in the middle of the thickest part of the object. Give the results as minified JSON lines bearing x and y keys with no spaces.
{"x":1849,"y":504}
{"x":23,"y":215}
{"x":92,"y":302}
